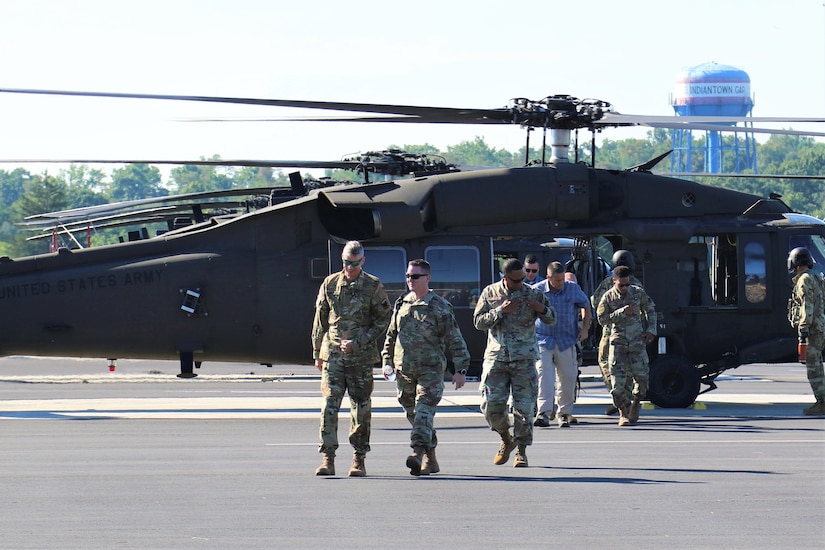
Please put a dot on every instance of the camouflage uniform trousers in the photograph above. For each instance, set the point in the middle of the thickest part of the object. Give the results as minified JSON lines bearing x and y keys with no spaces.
{"x":419,"y":392}
{"x":629,"y":373}
{"x":353,"y":376}
{"x":498,"y":379}
{"x":813,"y":365}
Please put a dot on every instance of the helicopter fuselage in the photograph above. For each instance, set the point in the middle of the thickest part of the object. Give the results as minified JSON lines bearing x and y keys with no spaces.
{"x":244,"y":290}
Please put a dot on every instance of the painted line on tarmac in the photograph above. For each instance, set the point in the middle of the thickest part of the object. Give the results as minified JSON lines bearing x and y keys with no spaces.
{"x":305,"y":406}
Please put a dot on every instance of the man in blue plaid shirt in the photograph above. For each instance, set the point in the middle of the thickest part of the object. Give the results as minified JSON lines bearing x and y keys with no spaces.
{"x":558,"y":367}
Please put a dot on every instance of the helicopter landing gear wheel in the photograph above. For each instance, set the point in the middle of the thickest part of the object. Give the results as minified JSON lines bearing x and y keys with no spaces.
{"x":674,"y":382}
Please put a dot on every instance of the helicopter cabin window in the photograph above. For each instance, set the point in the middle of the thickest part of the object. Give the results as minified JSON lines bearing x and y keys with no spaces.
{"x":388,"y":263}
{"x":756,"y":270}
{"x":455,"y":273}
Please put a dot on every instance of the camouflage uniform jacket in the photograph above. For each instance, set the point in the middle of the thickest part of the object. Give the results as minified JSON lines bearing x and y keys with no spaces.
{"x":606,"y":285}
{"x":805,"y":308}
{"x":510,"y":336}
{"x":420,"y":331}
{"x":358,"y":310}
{"x":627,"y":329}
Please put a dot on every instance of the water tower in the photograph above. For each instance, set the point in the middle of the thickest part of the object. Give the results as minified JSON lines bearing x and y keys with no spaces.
{"x":711,"y":89}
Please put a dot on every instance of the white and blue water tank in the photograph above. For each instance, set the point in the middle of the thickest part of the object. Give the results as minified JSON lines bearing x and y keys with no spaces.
{"x":712,"y":89}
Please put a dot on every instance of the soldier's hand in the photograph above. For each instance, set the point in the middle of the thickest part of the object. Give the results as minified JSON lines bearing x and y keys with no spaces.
{"x":319,"y":364}
{"x":459,"y":380}
{"x":535,"y":305}
{"x":628,"y":309}
{"x":509,"y":306}
{"x":648,"y":338}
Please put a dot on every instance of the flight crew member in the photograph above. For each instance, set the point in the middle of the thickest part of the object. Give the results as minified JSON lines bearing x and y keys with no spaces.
{"x":558,"y":367}
{"x":422,"y":327}
{"x":806,"y":312}
{"x":508,"y":310}
{"x":531,"y":270}
{"x":620,"y":257}
{"x":631,"y":315}
{"x":351,"y":314}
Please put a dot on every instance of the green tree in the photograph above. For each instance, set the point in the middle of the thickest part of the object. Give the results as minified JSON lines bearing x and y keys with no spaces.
{"x":478,"y":153}
{"x":192,"y":178}
{"x":87,"y":186}
{"x":11,"y":188}
{"x":41,"y":194}
{"x":136,"y":181}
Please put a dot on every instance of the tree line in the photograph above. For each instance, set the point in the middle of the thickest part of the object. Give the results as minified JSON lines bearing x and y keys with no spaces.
{"x":24,"y":194}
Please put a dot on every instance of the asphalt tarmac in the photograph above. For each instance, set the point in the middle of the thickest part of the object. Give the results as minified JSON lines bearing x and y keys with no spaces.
{"x":138,"y":458}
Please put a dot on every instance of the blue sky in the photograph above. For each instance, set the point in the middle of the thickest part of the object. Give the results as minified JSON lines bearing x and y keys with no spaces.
{"x":455,"y":54}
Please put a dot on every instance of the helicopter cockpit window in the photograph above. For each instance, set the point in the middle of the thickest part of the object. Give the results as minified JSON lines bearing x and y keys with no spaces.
{"x":455,"y":273}
{"x":388,"y":264}
{"x":755,"y":273}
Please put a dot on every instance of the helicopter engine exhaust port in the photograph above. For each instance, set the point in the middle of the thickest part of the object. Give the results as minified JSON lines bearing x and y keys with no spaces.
{"x":674,"y":382}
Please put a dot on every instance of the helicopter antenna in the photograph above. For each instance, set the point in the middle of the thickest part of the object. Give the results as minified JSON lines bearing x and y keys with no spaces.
{"x":648,"y":166}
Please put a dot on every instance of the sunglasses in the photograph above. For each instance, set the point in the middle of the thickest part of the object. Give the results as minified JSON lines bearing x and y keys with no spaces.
{"x":624,"y":285}
{"x":515,"y":281}
{"x":415,"y":276}
{"x":353,"y":263}
{"x":531,"y":270}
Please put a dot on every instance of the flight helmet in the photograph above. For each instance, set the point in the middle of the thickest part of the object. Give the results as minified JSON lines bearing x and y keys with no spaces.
{"x":799,"y":256}
{"x":624,"y":257}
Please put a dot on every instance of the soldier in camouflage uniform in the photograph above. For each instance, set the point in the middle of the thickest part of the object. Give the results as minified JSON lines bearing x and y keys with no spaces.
{"x":508,"y":310}
{"x":620,"y":257}
{"x":805,"y":312}
{"x":351,"y":314}
{"x":631,"y":315}
{"x":422,"y":327}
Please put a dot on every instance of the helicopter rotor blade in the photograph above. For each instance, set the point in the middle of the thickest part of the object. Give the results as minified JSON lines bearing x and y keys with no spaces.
{"x":558,"y":111}
{"x":345,"y":164}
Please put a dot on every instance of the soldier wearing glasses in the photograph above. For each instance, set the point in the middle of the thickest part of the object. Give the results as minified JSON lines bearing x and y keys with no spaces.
{"x":631,"y":315}
{"x":351,"y":314}
{"x":508,"y":310}
{"x":422,"y":327}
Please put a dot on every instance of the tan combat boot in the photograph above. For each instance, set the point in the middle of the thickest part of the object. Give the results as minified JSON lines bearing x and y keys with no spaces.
{"x":415,"y":459}
{"x":816,"y":409}
{"x":623,"y":416}
{"x":521,"y":457}
{"x":504,"y":450}
{"x":327,"y":467}
{"x":633,"y":414}
{"x":430,"y":464}
{"x":358,"y":469}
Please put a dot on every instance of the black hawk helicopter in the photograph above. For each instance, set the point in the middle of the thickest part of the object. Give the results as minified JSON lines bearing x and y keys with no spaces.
{"x":243,"y":288}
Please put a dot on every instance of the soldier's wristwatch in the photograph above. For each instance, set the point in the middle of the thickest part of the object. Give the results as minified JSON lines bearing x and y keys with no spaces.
{"x":462,"y":371}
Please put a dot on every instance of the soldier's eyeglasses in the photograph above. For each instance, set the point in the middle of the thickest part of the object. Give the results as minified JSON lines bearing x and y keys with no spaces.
{"x":515,"y":281}
{"x":415,"y":276}
{"x":353,"y":263}
{"x":624,"y":285}
{"x":531,"y":270}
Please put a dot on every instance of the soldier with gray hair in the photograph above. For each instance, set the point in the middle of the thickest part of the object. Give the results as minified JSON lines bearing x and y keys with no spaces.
{"x":422,"y":327}
{"x":351,"y":314}
{"x":508,"y":310}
